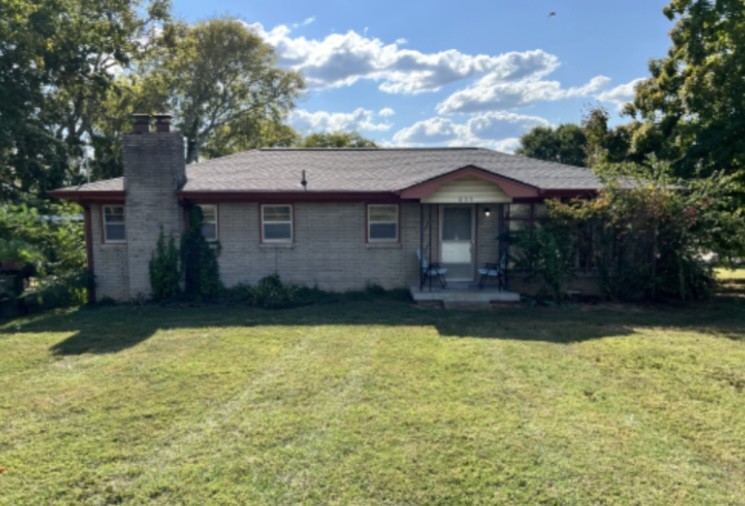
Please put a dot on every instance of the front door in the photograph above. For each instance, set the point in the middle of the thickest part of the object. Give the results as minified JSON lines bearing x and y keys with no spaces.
{"x":456,"y":242}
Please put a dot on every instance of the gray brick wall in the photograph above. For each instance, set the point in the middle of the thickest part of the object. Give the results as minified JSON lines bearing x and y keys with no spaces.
{"x":154,"y":169}
{"x":329,"y":248}
{"x":110,"y":263}
{"x":488,"y":229}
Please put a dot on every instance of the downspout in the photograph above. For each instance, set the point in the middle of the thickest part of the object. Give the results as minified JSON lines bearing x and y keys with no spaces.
{"x":91,"y":283}
{"x":421,"y":247}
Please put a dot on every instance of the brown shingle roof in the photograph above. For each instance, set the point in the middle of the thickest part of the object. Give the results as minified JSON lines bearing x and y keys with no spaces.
{"x":361,"y":170}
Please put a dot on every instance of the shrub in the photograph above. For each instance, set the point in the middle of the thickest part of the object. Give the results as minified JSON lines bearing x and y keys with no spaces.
{"x":57,"y":291}
{"x":165,"y":275}
{"x":240,"y":293}
{"x":547,"y":253}
{"x":199,"y":261}
{"x":46,"y":243}
{"x":270,"y":293}
{"x":644,"y":235}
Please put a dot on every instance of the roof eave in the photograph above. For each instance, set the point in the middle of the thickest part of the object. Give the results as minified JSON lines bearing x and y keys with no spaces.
{"x":84,"y":197}
{"x":218,"y":196}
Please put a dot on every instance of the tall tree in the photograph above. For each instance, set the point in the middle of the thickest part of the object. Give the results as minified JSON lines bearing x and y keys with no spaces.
{"x":224,"y":86}
{"x":58,"y":60}
{"x":692,"y":108}
{"x":563,"y":144}
{"x":337,"y":140}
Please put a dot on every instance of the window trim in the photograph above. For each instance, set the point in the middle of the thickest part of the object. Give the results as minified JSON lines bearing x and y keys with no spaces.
{"x":217,"y":220}
{"x":291,"y":222}
{"x":104,"y":232}
{"x":397,"y":222}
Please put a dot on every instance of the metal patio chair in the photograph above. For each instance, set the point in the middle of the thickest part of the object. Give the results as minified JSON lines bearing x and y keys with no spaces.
{"x":432,"y":269}
{"x":493,"y":271}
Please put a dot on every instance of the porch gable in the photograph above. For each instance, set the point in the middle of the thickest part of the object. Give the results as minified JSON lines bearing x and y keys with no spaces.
{"x":469,"y":185}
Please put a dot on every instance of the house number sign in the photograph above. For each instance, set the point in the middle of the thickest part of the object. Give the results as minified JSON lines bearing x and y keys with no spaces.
{"x":465,"y":198}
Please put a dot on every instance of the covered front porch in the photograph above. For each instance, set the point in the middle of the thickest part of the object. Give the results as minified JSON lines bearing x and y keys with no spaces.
{"x":465,"y":219}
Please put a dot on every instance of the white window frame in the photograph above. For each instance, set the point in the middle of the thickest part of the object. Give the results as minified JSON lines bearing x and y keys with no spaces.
{"x":289,"y":222}
{"x":395,"y":222}
{"x":216,"y":221}
{"x":105,"y":224}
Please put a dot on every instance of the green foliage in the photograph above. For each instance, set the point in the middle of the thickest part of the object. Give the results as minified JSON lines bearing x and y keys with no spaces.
{"x":564,"y":144}
{"x":337,"y":140}
{"x":692,"y":107}
{"x":48,"y":245}
{"x":223,"y":85}
{"x":18,"y":255}
{"x":548,"y":254}
{"x":240,"y":293}
{"x":270,"y":293}
{"x":649,"y":232}
{"x":56,"y":291}
{"x":199,"y":261}
{"x":587,"y":145}
{"x":165,"y":275}
{"x":58,"y":61}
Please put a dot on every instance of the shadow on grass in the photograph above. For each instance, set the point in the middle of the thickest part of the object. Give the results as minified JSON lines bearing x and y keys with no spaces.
{"x":115,"y":328}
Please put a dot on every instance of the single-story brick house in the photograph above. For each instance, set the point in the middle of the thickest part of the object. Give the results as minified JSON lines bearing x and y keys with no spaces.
{"x":338,"y":219}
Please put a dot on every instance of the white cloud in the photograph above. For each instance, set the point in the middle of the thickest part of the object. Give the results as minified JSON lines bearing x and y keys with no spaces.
{"x":323,"y":121}
{"x":305,"y":22}
{"x":386,"y":112}
{"x":497,"y":130}
{"x":495,"y":92}
{"x":343,"y":59}
{"x":620,"y":95}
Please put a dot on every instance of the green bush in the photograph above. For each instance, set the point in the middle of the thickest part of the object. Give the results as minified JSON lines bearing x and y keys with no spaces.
{"x":240,"y":293}
{"x":46,"y":242}
{"x":57,"y":291}
{"x":165,"y":275}
{"x":270,"y":293}
{"x":199,"y":261}
{"x":644,"y":234}
{"x":547,"y":254}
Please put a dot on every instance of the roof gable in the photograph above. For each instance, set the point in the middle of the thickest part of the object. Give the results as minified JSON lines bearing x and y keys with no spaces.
{"x":509,"y":187}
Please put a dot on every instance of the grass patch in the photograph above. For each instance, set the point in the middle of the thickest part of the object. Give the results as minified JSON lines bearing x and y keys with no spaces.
{"x":724,"y":274}
{"x":375,"y":402}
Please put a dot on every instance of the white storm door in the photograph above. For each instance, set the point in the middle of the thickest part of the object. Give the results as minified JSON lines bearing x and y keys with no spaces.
{"x":456,"y":242}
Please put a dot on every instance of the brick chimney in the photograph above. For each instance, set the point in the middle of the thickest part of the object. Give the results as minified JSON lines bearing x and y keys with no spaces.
{"x":154,"y":170}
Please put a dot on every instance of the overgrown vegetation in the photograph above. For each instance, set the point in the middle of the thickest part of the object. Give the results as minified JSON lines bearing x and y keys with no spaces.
{"x":645,"y":235}
{"x":48,"y":249}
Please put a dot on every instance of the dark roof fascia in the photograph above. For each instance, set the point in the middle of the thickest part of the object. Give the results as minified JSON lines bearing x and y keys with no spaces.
{"x":584,"y":192}
{"x":216,"y":197}
{"x":90,"y":197}
{"x":512,"y":187}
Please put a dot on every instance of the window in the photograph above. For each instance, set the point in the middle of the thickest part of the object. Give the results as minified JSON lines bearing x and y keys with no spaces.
{"x":276,"y":223}
{"x":382,"y":222}
{"x":113,"y":224}
{"x":209,"y":222}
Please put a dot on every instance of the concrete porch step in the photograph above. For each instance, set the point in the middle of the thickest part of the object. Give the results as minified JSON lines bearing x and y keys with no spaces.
{"x":463,"y":295}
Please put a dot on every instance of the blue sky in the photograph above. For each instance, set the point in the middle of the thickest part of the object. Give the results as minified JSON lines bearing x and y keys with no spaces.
{"x":456,"y":73}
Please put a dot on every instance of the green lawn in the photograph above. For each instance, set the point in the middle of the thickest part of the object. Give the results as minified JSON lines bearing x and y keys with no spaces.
{"x":375,"y":402}
{"x":730,"y":274}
